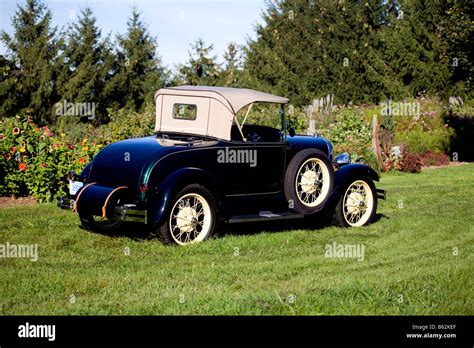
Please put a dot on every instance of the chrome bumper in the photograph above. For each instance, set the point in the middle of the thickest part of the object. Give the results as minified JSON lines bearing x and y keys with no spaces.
{"x":127,"y":212}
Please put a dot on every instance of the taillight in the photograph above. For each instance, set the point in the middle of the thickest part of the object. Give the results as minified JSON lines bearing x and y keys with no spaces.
{"x":143,"y":187}
{"x":72,"y":175}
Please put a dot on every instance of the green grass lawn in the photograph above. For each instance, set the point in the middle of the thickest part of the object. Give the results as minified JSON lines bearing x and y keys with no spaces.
{"x":418,"y":260}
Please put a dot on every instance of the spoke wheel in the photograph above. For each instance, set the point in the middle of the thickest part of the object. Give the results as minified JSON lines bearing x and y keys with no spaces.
{"x":358,"y":204}
{"x":309,"y":181}
{"x":312,"y":182}
{"x":191,"y":218}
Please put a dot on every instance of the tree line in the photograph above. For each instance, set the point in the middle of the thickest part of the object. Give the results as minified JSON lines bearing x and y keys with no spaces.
{"x":359,"y":51}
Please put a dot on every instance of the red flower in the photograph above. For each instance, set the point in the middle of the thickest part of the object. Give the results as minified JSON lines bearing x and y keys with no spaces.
{"x":70,"y":146}
{"x":16,"y":130}
{"x":2,"y":136}
{"x":7,"y":156}
{"x":13,"y":149}
{"x":82,"y":160}
{"x":22,"y":167}
{"x":44,"y":165}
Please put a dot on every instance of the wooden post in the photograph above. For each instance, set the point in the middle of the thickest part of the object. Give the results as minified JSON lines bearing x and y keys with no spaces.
{"x":376,"y":142}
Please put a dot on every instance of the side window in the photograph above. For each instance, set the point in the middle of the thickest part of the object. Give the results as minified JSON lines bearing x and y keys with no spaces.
{"x":184,"y":111}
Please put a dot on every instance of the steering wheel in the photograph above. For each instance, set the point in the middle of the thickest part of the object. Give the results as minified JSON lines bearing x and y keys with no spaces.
{"x":253,"y":136}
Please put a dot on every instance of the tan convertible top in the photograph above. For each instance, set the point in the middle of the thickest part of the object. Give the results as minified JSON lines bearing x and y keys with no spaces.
{"x":211,"y":109}
{"x":233,"y":99}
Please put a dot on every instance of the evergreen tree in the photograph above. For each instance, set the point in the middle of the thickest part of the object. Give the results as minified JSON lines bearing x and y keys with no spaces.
{"x":201,"y":68}
{"x":231,"y":75}
{"x":457,"y":30}
{"x":29,"y":85}
{"x":88,"y":60}
{"x":360,"y":51}
{"x":416,"y":57}
{"x":139,"y":71}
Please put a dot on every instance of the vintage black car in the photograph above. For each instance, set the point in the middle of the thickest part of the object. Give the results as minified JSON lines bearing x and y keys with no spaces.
{"x":206,"y":166}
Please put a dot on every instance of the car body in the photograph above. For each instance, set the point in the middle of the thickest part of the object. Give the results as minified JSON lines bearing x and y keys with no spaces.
{"x":203,"y":160}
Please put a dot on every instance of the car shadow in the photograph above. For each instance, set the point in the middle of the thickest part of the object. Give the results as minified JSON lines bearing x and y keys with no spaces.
{"x":134,"y":231}
{"x":139,"y":232}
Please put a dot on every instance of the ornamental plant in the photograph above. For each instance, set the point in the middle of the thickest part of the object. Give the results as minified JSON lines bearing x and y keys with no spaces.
{"x":35,"y":161}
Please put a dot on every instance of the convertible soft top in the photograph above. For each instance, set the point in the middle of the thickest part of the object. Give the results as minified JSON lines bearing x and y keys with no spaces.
{"x":233,"y":98}
{"x":206,"y":110}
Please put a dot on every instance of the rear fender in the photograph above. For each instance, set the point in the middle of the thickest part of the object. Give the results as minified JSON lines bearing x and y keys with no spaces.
{"x":168,"y":188}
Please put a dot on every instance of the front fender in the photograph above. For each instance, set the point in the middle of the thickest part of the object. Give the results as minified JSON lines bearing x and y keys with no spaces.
{"x":345,"y":175}
{"x":165,"y":191}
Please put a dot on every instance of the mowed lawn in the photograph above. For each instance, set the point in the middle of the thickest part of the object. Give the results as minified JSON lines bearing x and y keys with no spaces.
{"x":418,"y":260}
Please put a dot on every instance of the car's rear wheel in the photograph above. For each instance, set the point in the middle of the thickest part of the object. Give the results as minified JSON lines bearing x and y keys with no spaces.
{"x":358,"y":204}
{"x":192,"y":217}
{"x":309,"y":181}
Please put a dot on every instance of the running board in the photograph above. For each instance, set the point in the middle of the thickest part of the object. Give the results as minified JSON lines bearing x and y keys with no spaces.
{"x":264,"y":216}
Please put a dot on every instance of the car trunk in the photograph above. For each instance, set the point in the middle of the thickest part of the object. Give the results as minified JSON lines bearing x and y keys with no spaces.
{"x":124,"y":162}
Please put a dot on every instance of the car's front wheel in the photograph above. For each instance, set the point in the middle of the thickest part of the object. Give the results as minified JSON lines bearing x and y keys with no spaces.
{"x":192,"y":217}
{"x":358,"y":204}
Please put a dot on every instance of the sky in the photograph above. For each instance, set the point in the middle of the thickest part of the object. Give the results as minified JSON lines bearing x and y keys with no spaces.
{"x":175,"y":24}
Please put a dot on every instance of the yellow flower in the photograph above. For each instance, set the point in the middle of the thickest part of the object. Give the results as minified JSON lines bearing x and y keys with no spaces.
{"x":62,"y":135}
{"x":22,"y":149}
{"x":84,"y":141}
{"x":85,"y":148}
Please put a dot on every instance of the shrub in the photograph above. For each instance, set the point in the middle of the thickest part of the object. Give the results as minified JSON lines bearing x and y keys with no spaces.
{"x":410,"y":162}
{"x":426,"y":131}
{"x":36,"y":161}
{"x":432,"y":158}
{"x":351,"y":133}
{"x":125,"y":124}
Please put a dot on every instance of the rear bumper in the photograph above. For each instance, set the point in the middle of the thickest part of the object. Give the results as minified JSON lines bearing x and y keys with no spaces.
{"x":66,"y":203}
{"x":126,"y":212}
{"x":129,"y":212}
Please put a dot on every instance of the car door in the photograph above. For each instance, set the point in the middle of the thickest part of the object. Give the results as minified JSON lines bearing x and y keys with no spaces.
{"x":252,"y":167}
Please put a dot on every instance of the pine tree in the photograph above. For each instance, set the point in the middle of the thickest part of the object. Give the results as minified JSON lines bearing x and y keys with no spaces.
{"x":139,"y":71}
{"x":416,"y":57}
{"x":29,"y":86}
{"x":457,"y":30}
{"x":88,"y":60}
{"x":231,"y":75}
{"x":360,"y":51}
{"x":201,"y":68}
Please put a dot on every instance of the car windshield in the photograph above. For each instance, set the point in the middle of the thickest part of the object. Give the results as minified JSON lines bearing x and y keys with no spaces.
{"x":262,"y":114}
